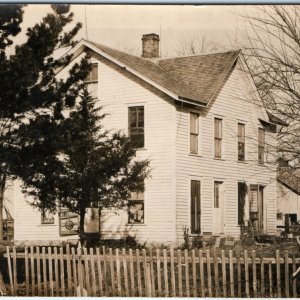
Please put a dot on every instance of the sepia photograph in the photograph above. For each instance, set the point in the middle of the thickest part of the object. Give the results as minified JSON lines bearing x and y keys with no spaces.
{"x":149,"y":150}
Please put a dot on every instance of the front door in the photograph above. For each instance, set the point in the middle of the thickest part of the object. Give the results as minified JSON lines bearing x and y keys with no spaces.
{"x":218,"y":210}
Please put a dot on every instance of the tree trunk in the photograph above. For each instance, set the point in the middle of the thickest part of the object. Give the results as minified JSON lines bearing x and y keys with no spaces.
{"x":82,"y":236}
{"x":2,"y":188}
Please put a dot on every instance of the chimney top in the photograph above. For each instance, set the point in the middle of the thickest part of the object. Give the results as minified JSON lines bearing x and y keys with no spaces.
{"x":150,"y":43}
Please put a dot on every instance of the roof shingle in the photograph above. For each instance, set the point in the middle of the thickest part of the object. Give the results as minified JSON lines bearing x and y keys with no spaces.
{"x":194,"y":77}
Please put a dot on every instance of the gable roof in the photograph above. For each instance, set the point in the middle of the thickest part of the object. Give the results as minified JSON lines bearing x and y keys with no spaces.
{"x":203,"y":74}
{"x":193,"y":79}
{"x":289,"y":179}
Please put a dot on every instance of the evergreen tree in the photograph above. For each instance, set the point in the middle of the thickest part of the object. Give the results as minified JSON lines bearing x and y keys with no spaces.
{"x":95,"y":168}
{"x":31,"y":97}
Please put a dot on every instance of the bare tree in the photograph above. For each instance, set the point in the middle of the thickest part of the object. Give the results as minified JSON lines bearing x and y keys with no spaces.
{"x":198,"y":45}
{"x":273,"y":57}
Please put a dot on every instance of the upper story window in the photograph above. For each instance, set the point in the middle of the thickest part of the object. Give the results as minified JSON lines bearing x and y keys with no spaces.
{"x":136,"y":207}
{"x":241,"y":142}
{"x":261,"y":145}
{"x":92,"y":81}
{"x":136,"y":130}
{"x":194,"y":132}
{"x":218,"y":137}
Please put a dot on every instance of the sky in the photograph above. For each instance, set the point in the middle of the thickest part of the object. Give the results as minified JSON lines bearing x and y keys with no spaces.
{"x":122,"y":26}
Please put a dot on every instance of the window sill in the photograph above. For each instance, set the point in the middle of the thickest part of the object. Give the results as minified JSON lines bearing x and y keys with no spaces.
{"x":195,"y":155}
{"x":221,"y":159}
{"x":242,"y":162}
{"x":141,"y":149}
{"x":136,"y":224}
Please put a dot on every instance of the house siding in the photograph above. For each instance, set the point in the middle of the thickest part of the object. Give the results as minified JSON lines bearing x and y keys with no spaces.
{"x":232,"y":104}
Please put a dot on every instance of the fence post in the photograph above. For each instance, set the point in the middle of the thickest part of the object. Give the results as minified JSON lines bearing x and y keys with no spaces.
{"x":286,"y":271}
{"x":173,"y":273}
{"x":246,"y":262}
{"x":231,"y":273}
{"x":224,"y":279}
{"x":201,"y":269}
{"x":69,"y":270}
{"x":132,"y":285}
{"x":44,"y":272}
{"x":278,"y":273}
{"x":26,"y":271}
{"x":254,"y":273}
{"x":158,"y":272}
{"x":38,"y":269}
{"x":208,"y":273}
{"x":166,"y":280}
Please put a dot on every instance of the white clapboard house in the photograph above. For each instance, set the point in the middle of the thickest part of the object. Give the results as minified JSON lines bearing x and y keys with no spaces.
{"x":203,"y":126}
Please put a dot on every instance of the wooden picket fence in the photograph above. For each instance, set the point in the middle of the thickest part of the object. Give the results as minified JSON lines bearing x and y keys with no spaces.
{"x":153,"y":273}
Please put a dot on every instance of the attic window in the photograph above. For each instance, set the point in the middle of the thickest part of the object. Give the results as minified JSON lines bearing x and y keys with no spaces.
{"x":47,"y":217}
{"x":93,"y":74}
{"x":92,"y":81}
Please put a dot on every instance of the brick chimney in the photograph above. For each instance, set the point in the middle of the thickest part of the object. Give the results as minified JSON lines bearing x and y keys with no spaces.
{"x":150,"y":45}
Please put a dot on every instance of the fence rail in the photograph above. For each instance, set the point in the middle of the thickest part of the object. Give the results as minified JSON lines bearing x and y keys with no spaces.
{"x":156,"y":272}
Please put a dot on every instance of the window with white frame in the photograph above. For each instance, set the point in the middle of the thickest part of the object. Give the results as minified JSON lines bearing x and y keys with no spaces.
{"x":194,"y":132}
{"x":47,"y":217}
{"x":218,"y":137}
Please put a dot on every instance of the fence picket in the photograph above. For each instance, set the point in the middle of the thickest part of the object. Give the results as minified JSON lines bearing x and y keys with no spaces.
{"x":56,"y":272}
{"x":118,"y":272}
{"x":286,"y":274}
{"x":246,"y":263}
{"x":224,"y":273}
{"x":99,"y":271}
{"x":270,"y":280}
{"x":194,"y":273}
{"x":166,"y":280}
{"x":278,"y":274}
{"x":10,"y":271}
{"x":138,"y":269}
{"x":262,"y":276}
{"x":239,"y":273}
{"x":294,"y":284}
{"x":44,"y":261}
{"x":86,"y":272}
{"x":216,"y":274}
{"x":172,"y":273}
{"x":26,"y":271}
{"x":208,"y":273}
{"x":69,"y":272}
{"x":201,"y":269}
{"x":187,"y":274}
{"x":131,"y":266}
{"x":125,"y":272}
{"x":50,"y":271}
{"x":105,"y":282}
{"x":38,"y":269}
{"x":144,"y":255}
{"x":231,"y":274}
{"x":32,"y":271}
{"x":74,"y":270}
{"x":80,"y":287}
{"x":112,"y":273}
{"x":62,"y":271}
{"x":152,"y":272}
{"x":254,"y":273}
{"x":15,"y":270}
{"x":158,"y":272}
{"x":94,"y":287}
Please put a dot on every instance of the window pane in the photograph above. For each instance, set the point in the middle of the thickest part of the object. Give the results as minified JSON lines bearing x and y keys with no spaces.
{"x":136,"y":126}
{"x":218,"y":149}
{"x":47,"y":217}
{"x":217,"y":194}
{"x":92,"y":88}
{"x":194,"y":124}
{"x":218,"y":128}
{"x":261,"y":145}
{"x":93,"y":74}
{"x":195,"y":207}
{"x":135,"y":211}
{"x":194,"y":143}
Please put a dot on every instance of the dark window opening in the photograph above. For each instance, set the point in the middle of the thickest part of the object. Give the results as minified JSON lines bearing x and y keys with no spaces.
{"x":195,"y":207}
{"x":136,"y":126}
